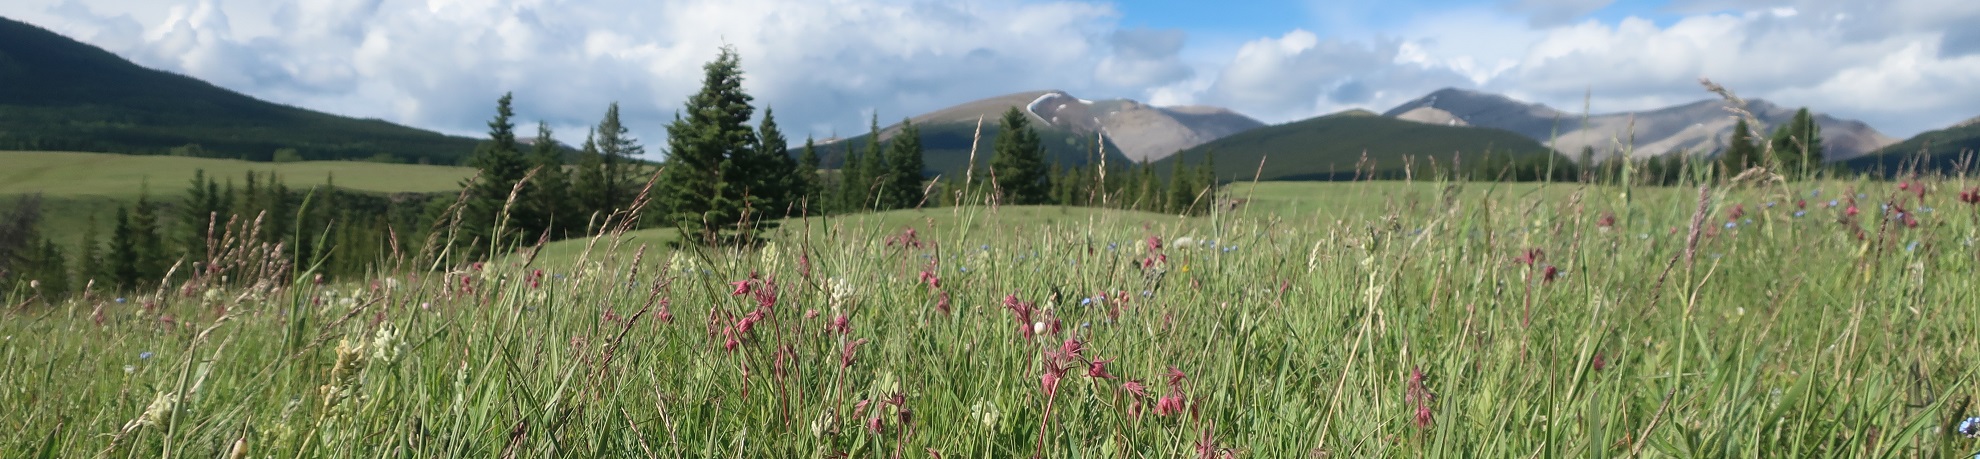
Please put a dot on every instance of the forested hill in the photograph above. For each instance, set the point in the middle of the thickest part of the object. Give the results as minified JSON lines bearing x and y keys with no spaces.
{"x":60,"y":94}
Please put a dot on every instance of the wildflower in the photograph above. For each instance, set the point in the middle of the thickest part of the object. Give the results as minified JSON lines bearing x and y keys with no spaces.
{"x":1530,"y":257}
{"x":120,"y":300}
{"x":1598,"y":363}
{"x":1851,"y":211}
{"x":1170,"y":405}
{"x":1423,"y":417}
{"x":1731,"y":225}
{"x":1154,"y":242}
{"x":842,"y":324}
{"x":742,"y":287}
{"x":1970,"y":196}
{"x":1969,"y":427}
{"x":1607,"y":221}
{"x":1050,"y":380}
{"x":1135,"y":387}
{"x":1738,"y":210}
{"x":846,"y":355}
{"x":1098,"y":369}
{"x":1800,"y":213}
{"x":986,"y":413}
{"x":1550,"y":274}
{"x":146,"y":355}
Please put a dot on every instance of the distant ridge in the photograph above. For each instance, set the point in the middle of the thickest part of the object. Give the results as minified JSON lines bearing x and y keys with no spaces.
{"x":61,"y":94}
{"x":1702,"y":126}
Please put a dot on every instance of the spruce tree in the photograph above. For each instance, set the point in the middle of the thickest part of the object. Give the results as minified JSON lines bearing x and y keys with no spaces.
{"x":873,"y":170}
{"x":1018,"y":160}
{"x":850,"y":188}
{"x":702,"y":149}
{"x":500,"y":165}
{"x":123,"y":261}
{"x":588,"y":186}
{"x":1741,"y":152}
{"x":765,"y":173}
{"x":1798,"y":144}
{"x":616,"y":148}
{"x":89,"y":259}
{"x":152,"y":259}
{"x":904,"y":187}
{"x":546,"y":198}
{"x":808,"y":184}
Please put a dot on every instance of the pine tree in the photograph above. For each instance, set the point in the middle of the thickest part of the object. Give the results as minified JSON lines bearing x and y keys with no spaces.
{"x":764,"y":173}
{"x":123,"y":260}
{"x":616,"y":148}
{"x":851,"y":188}
{"x":809,"y":186}
{"x":205,"y":209}
{"x":152,"y":259}
{"x":1018,"y":160}
{"x":588,"y":187}
{"x":1741,"y":152}
{"x":90,"y":264}
{"x":873,"y":168}
{"x":702,"y":148}
{"x":904,"y":187}
{"x":500,"y":165}
{"x":546,"y":199}
{"x":1798,"y":144}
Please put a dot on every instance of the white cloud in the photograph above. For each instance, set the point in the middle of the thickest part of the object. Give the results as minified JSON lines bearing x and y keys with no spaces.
{"x":1554,"y":12}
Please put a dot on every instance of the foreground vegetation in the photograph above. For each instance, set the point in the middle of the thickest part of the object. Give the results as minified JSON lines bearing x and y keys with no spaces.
{"x":1339,"y":320}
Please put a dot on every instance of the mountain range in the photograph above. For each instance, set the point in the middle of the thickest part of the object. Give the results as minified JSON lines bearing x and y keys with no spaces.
{"x":1702,"y":126}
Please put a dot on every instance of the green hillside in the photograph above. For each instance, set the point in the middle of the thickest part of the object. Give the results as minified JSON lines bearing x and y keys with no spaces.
{"x":60,"y":94}
{"x":1329,"y":147}
{"x":1939,"y":150}
{"x":75,"y":186}
{"x":947,"y":148}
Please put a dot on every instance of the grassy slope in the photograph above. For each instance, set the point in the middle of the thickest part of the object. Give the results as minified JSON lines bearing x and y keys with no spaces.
{"x":1329,"y":147}
{"x":75,"y":186}
{"x":67,"y":95}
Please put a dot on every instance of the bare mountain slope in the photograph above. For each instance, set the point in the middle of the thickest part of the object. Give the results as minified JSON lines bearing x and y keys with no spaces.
{"x":1699,"y":126}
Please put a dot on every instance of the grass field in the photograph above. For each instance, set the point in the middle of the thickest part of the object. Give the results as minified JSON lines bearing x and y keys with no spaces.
{"x":75,"y":186}
{"x":1316,"y":320}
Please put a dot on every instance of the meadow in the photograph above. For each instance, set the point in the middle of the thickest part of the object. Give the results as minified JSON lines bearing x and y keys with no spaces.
{"x":75,"y":186}
{"x":1364,"y":319}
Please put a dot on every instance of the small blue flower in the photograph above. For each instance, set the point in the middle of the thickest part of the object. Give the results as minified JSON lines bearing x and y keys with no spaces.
{"x":1770,"y":204}
{"x":1147,"y":293}
{"x":146,"y":355}
{"x":1832,"y":203}
{"x":1086,"y":301}
{"x":1731,"y":225}
{"x":962,"y":269}
{"x":1800,"y":213}
{"x":1815,"y":193}
{"x":120,"y":300}
{"x":1970,"y":428}
{"x":1912,"y":246}
{"x":985,"y":247}
{"x":1748,"y":221}
{"x":1086,"y":325}
{"x":1111,"y":246}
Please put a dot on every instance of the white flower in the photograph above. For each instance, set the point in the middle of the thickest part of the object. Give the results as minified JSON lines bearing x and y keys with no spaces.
{"x":1038,"y":328}
{"x":159,"y":409}
{"x":986,"y":413}
{"x":385,"y":344}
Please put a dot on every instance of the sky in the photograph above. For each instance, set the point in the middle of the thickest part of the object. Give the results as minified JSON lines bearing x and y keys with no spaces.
{"x":825,"y":66}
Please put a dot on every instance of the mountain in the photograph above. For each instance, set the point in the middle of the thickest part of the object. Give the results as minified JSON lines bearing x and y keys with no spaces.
{"x":60,"y":94}
{"x":1942,"y":150}
{"x":1133,"y":130}
{"x":1331,"y":147}
{"x":1698,"y":126}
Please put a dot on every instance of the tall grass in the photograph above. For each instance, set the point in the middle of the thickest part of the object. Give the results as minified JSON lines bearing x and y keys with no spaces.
{"x":1427,"y":319}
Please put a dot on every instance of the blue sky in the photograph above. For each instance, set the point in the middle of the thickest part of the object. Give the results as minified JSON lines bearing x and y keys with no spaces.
{"x":1904,"y":66}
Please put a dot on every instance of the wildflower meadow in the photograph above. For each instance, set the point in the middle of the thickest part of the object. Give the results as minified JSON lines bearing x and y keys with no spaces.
{"x":1360,"y":319}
